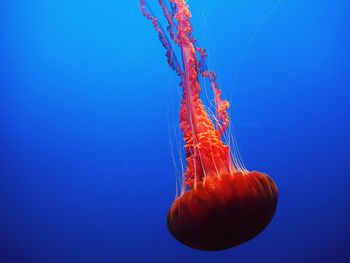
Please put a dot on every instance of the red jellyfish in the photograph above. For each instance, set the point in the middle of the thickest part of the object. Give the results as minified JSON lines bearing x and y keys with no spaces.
{"x":223,"y":205}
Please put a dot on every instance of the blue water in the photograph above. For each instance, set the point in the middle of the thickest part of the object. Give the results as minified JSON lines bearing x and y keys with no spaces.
{"x":86,"y":174}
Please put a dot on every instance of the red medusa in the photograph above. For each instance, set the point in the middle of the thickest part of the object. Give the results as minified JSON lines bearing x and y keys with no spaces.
{"x":223,"y":204}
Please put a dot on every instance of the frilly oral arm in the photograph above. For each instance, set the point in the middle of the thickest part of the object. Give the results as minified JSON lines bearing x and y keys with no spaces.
{"x":172,"y":60}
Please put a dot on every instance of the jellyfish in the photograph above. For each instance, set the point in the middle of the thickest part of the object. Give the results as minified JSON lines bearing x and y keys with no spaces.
{"x":222,"y":204}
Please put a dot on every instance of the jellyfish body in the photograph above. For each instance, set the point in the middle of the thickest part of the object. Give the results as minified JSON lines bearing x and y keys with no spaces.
{"x":222,"y":205}
{"x":223,"y":212}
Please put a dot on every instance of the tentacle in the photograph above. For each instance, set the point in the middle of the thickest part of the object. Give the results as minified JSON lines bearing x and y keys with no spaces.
{"x":206,"y":154}
{"x":172,"y":59}
{"x":221,"y":106}
{"x":169,"y":15}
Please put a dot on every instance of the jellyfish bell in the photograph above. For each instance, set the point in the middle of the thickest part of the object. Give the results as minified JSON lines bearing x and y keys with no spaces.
{"x":221,"y":203}
{"x":223,"y":211}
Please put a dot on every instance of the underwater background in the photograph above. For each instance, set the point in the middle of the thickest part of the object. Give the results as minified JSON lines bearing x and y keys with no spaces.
{"x":87,"y":103}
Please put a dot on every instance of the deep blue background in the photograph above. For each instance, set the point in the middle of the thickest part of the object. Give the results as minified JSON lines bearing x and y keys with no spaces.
{"x":86,"y":174}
